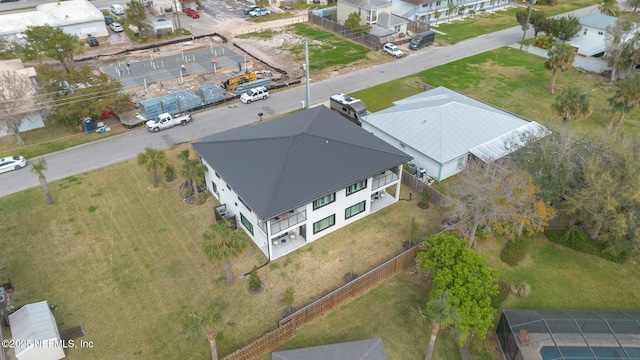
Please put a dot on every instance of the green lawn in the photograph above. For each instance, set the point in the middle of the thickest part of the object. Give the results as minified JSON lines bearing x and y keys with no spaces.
{"x":510,"y":79}
{"x":458,"y":30}
{"x":326,"y":49}
{"x":560,"y":279}
{"x":390,"y":311}
{"x":125,"y":260}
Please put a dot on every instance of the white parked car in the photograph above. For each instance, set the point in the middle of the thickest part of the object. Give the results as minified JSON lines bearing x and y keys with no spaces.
{"x":259,"y":12}
{"x":392,"y":50}
{"x":255,"y":94}
{"x":116,"y":27}
{"x":12,"y":163}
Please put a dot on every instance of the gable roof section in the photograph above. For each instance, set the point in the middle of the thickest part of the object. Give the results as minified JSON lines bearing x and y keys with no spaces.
{"x":444,"y":124}
{"x":368,"y":4}
{"x":597,"y":21}
{"x":372,"y":349}
{"x":389,"y":20}
{"x":285,"y":163}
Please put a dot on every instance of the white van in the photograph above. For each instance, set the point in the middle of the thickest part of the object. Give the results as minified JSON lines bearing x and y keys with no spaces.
{"x":116,"y":9}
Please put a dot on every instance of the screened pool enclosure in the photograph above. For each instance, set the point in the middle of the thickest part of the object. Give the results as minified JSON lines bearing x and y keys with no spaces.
{"x":569,"y":335}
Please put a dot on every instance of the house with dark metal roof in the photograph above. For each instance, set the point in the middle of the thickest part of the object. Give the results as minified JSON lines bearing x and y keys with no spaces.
{"x":372,"y":349}
{"x":442,"y":129}
{"x":292,"y":180}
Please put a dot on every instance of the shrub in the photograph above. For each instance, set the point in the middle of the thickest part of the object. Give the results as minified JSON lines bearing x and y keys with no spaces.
{"x":575,"y":238}
{"x":425,"y":197}
{"x":514,"y":251}
{"x":169,"y":173}
{"x":501,"y":295}
{"x":288,"y":297}
{"x":254,"y":280}
{"x":543,"y":42}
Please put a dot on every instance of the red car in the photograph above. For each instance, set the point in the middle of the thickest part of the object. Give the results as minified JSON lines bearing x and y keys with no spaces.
{"x":191,"y":13}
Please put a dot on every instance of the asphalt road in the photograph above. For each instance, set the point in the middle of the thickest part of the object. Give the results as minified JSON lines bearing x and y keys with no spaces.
{"x":115,"y":149}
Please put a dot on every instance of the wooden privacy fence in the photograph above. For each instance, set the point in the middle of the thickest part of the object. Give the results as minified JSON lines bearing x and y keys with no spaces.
{"x":418,"y":185}
{"x":289,"y":326}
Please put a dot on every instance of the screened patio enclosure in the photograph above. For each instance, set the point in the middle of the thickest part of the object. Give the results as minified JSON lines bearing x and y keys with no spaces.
{"x":569,"y":335}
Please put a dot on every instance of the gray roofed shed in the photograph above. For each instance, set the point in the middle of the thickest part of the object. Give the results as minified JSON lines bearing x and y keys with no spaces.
{"x":372,"y":349}
{"x":282,"y":164}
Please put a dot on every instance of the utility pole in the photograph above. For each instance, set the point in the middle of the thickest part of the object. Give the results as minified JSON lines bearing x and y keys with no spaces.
{"x":175,"y":3}
{"x":526,"y":25}
{"x":306,"y":66}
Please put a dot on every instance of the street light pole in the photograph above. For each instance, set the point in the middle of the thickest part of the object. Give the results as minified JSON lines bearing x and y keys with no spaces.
{"x":526,"y":25}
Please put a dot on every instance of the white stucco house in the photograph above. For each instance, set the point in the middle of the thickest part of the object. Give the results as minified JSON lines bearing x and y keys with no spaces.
{"x":376,"y":13}
{"x":591,"y":39}
{"x":424,"y":10}
{"x":75,"y":17}
{"x":292,"y":180}
{"x":441,"y":129}
{"x":30,"y":116}
{"x":34,"y":328}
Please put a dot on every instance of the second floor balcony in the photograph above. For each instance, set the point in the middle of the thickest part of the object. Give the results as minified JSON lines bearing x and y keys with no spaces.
{"x":287,"y":220}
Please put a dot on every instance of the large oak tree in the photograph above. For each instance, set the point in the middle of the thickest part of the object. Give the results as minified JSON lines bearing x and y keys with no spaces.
{"x":464,"y":275}
{"x":50,"y":42}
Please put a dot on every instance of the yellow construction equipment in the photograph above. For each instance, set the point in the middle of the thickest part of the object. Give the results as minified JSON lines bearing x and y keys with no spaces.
{"x":232,"y":83}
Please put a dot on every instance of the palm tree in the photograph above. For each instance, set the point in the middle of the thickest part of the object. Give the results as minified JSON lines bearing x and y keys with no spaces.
{"x":572,"y":104}
{"x":38,"y":168}
{"x":208,"y":324}
{"x":152,"y":159}
{"x":626,"y":97}
{"x":452,"y":7}
{"x":193,"y":171}
{"x":560,"y":58}
{"x":441,"y":314}
{"x":437,"y":15}
{"x":609,"y":7}
{"x":222,"y":243}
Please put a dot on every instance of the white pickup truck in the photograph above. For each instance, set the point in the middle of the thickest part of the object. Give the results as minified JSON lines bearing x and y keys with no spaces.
{"x":166,"y":120}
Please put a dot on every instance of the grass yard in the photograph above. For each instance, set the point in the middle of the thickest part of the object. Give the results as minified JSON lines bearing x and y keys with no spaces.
{"x":458,"y":30}
{"x":125,"y":261}
{"x":390,"y":311}
{"x":326,"y":49}
{"x":510,"y":79}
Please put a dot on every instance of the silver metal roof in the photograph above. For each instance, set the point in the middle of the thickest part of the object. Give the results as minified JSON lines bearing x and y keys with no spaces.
{"x":282,"y":164}
{"x":444,"y":124}
{"x":505,"y":144}
{"x":597,"y":21}
{"x":368,"y":4}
